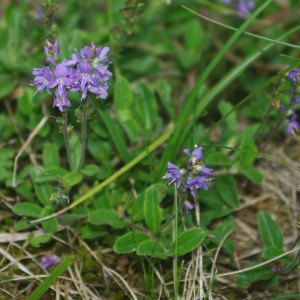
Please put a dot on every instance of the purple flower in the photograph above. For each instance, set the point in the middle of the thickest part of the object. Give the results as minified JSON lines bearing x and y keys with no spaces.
{"x":225,"y":1}
{"x":173,"y":174}
{"x":42,"y":79}
{"x":49,"y":260}
{"x":243,"y":7}
{"x":61,"y":79}
{"x":294,"y":76}
{"x":61,"y":100}
{"x":292,"y":125}
{"x":282,"y":107}
{"x":206,"y":171}
{"x":52,"y":48}
{"x":196,"y":155}
{"x":189,"y":206}
{"x":199,"y":181}
{"x":190,"y":183}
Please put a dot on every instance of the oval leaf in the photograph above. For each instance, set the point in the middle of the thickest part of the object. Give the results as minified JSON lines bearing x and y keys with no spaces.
{"x":187,"y":241}
{"x":35,"y":242}
{"x":50,"y":156}
{"x":150,"y":248}
{"x":91,"y":231}
{"x":106,"y":216}
{"x":27,"y":209}
{"x":72,"y":178}
{"x":152,"y":211}
{"x":122,"y":94}
{"x":270,"y":232}
{"x":227,"y":190}
{"x":51,"y":224}
{"x":129,"y":242}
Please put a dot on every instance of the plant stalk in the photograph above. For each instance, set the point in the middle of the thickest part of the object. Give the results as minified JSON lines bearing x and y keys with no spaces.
{"x":66,"y":138}
{"x":84,"y":118}
{"x":176,"y":246}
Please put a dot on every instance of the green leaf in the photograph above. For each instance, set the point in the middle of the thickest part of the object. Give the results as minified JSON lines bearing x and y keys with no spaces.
{"x":122,"y":94}
{"x":24,"y":189}
{"x":50,"y":174}
{"x":260,"y":273}
{"x":253,"y":174}
{"x":27,"y":209}
{"x":219,"y":233}
{"x":270,"y":232}
{"x":152,"y":211}
{"x":72,"y":178}
{"x":3,"y":174}
{"x":89,"y":170}
{"x":51,"y":224}
{"x":150,"y":248}
{"x":114,"y":130}
{"x":91,"y":231}
{"x":7,"y":85}
{"x":23,"y":224}
{"x":99,"y":148}
{"x":216,"y":159}
{"x":43,"y":192}
{"x":77,"y":214}
{"x":227,"y":189}
{"x":272,"y":252}
{"x":164,"y":92}
{"x":128,"y":242}
{"x":50,"y":156}
{"x":138,"y":208}
{"x":145,"y":105}
{"x":247,"y":158}
{"x":209,"y":214}
{"x":210,"y":198}
{"x":230,"y":121}
{"x":40,"y":239}
{"x":25,"y":101}
{"x":106,"y":216}
{"x":127,"y":120}
{"x":187,"y":241}
{"x":43,"y":287}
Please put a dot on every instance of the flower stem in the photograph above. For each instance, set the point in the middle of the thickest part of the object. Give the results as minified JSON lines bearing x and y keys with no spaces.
{"x":84,"y":118}
{"x":66,"y":137}
{"x":176,"y":246}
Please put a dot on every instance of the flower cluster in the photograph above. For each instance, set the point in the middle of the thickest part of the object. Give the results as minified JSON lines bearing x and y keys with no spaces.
{"x":193,"y":177}
{"x":293,"y":125}
{"x":243,"y":7}
{"x":86,"y":72}
{"x":60,"y":196}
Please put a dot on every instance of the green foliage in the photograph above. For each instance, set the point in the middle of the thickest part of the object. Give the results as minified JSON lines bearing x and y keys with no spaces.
{"x":175,"y":78}
{"x":106,"y":216}
{"x":187,"y":241}
{"x":150,"y":248}
{"x":152,"y":211}
{"x":129,"y":242}
{"x":270,"y":232}
{"x":260,"y":273}
{"x":44,"y":286}
{"x":27,"y":209}
{"x":227,"y":189}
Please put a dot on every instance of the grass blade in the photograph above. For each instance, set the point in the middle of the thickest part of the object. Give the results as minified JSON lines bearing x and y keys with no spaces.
{"x":245,"y":32}
{"x":111,"y":127}
{"x":43,"y":287}
{"x":172,"y":147}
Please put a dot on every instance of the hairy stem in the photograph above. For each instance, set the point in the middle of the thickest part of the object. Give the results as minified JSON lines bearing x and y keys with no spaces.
{"x":66,"y":137}
{"x":176,"y":245}
{"x":84,"y":118}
